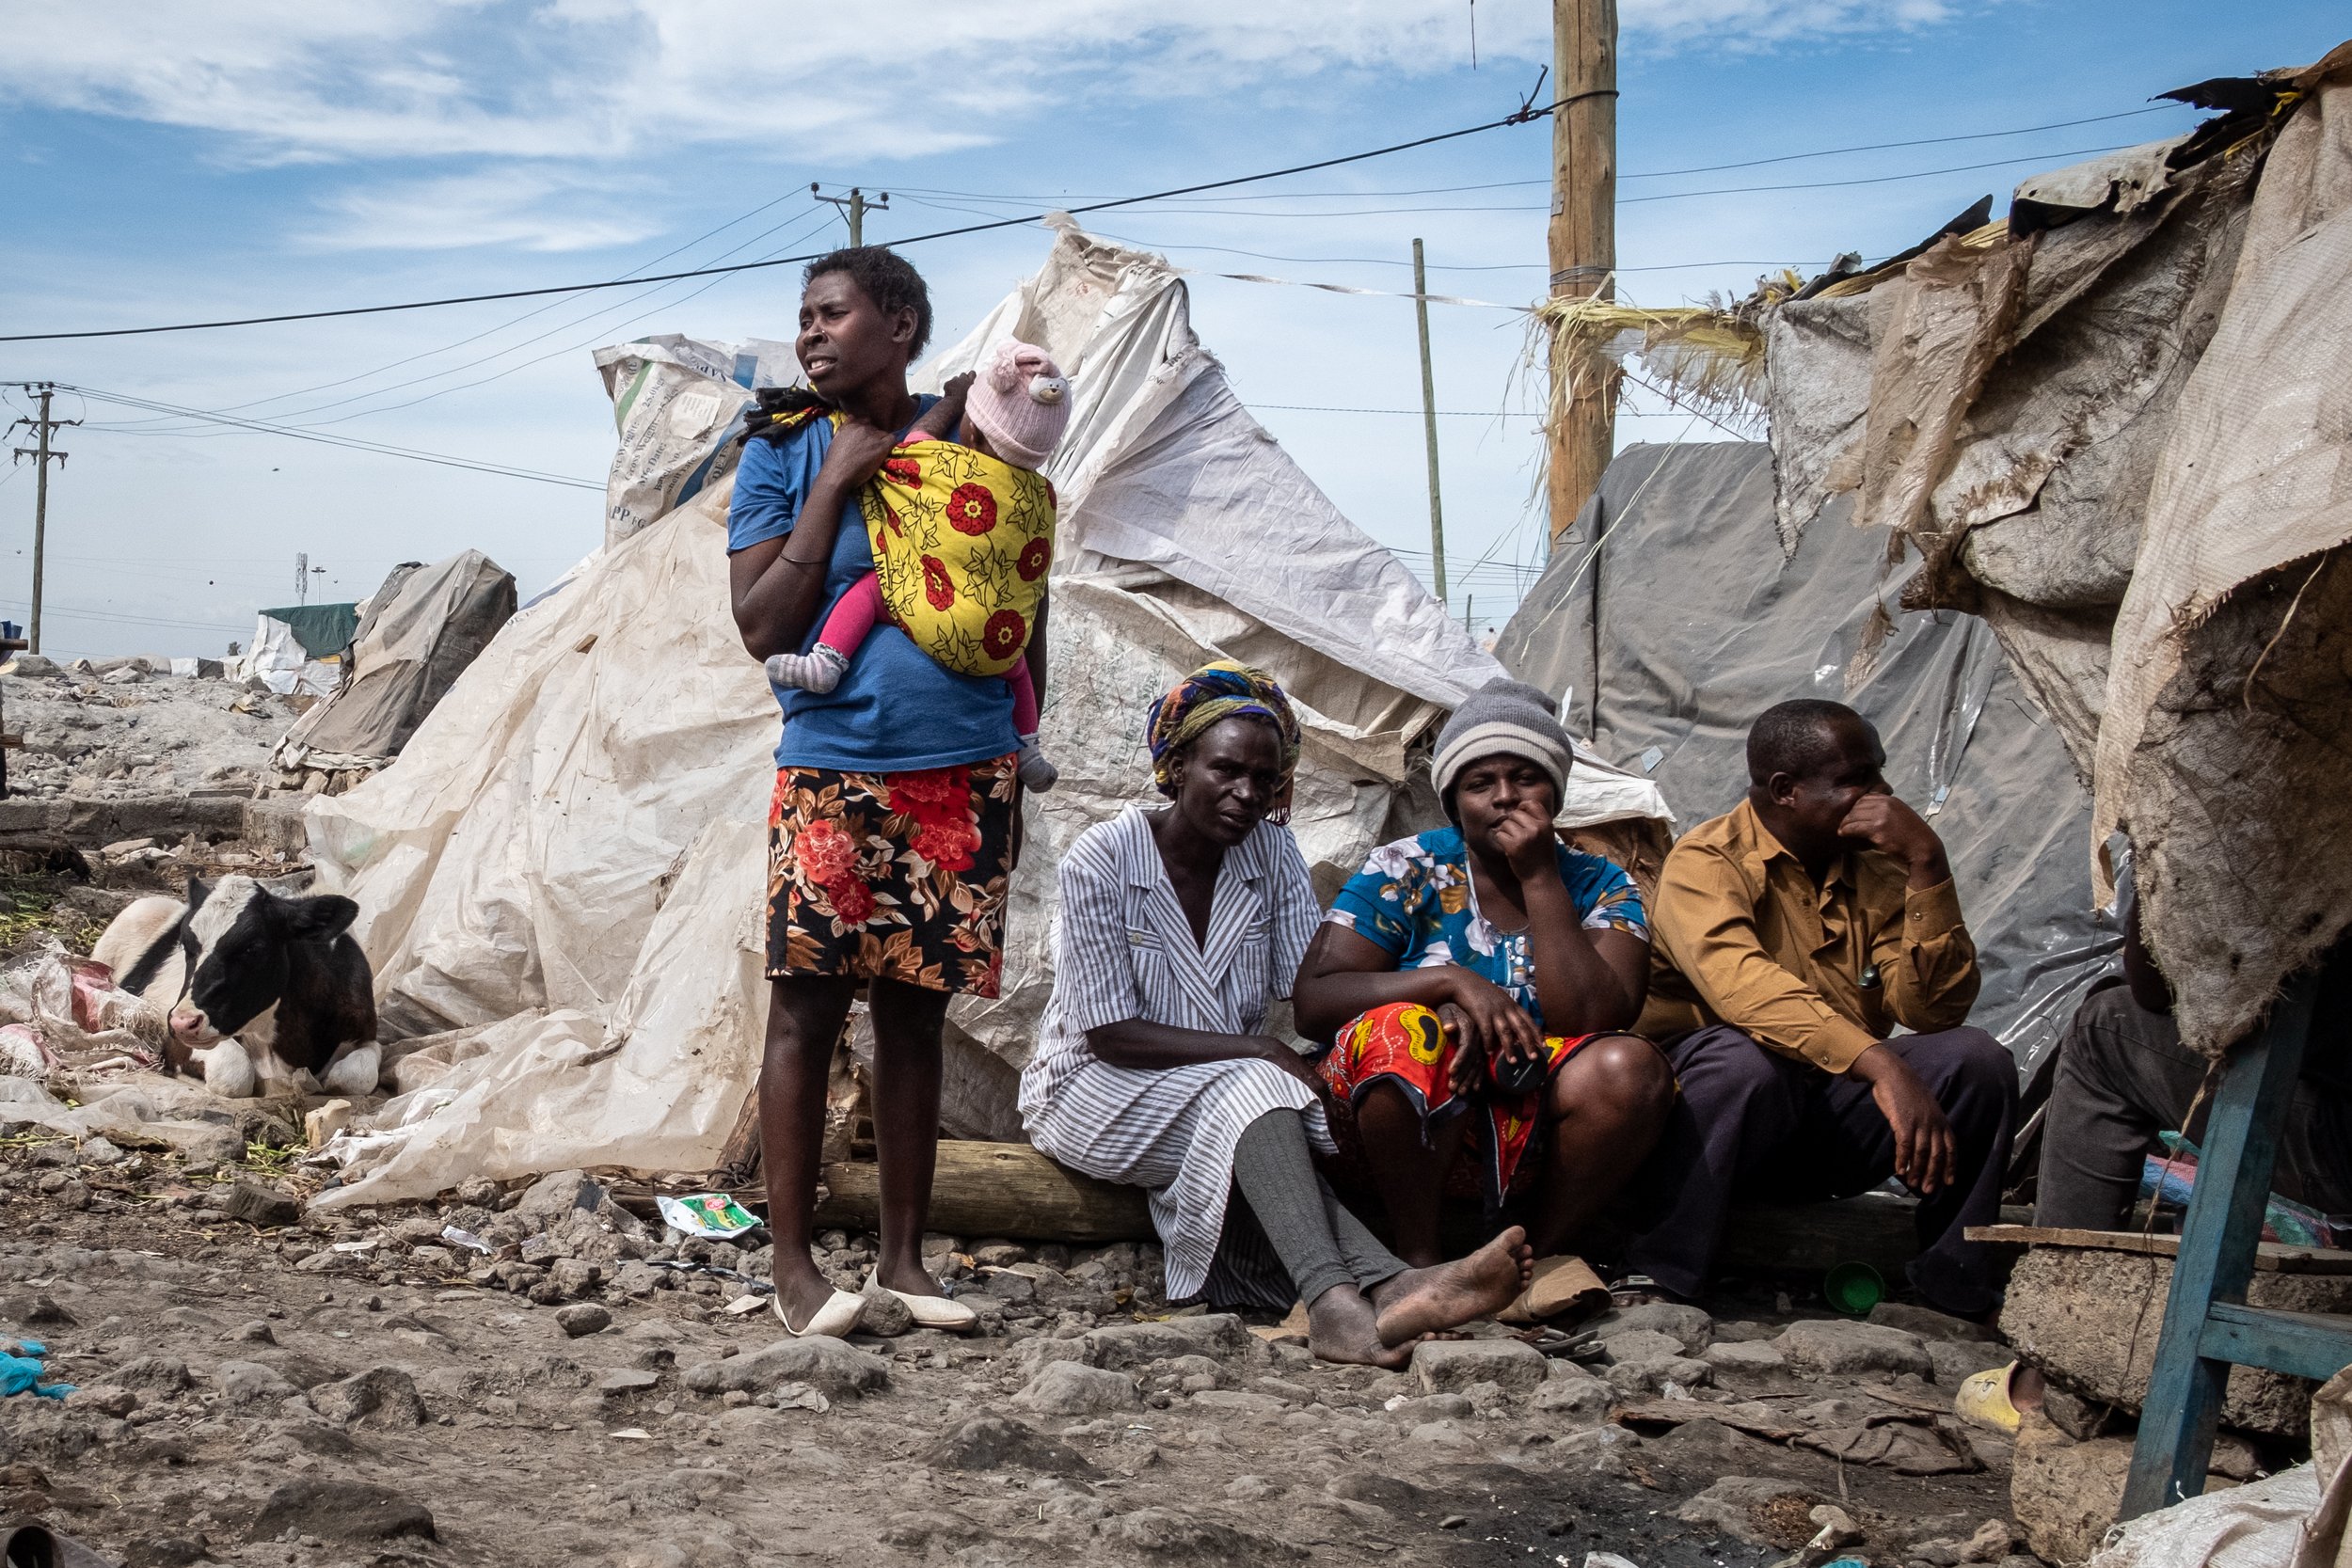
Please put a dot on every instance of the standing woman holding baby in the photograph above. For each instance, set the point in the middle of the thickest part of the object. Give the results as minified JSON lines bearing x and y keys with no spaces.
{"x":895,"y":820}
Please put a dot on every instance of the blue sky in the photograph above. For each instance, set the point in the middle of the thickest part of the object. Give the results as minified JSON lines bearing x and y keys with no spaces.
{"x":230,"y":157}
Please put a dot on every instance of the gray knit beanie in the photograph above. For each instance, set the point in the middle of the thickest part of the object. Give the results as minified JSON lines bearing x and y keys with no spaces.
{"x":1503,"y":718}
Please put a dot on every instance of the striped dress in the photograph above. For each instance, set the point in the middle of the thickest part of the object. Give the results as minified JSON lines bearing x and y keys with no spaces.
{"x":1122,"y":949}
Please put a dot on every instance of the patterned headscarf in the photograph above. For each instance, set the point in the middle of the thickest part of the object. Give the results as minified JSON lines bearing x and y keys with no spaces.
{"x":1207,"y":697}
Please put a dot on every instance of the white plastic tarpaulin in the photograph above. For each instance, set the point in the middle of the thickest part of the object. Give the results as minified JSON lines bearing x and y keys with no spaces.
{"x":572,"y":848}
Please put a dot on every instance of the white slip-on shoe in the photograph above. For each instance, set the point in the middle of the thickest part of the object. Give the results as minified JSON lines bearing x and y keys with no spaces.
{"x":938,"y":1312}
{"x":837,"y":1319}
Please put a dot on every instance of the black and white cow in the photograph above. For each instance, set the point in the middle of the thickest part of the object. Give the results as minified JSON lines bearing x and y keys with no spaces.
{"x":256,"y":987}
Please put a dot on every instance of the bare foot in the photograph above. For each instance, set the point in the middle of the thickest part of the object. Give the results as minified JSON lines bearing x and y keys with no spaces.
{"x":1429,"y":1301}
{"x":1341,"y":1326}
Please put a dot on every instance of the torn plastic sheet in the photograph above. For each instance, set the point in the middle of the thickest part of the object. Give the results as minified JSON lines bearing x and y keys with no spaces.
{"x":1671,"y":612}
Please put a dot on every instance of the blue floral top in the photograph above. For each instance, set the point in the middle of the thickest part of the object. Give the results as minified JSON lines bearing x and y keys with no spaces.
{"x":1415,"y":900}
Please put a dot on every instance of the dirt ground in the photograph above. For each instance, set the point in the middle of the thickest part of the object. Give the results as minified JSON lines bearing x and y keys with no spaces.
{"x":360,"y":1390}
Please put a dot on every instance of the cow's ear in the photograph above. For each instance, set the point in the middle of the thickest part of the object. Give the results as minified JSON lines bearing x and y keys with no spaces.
{"x":320,"y":919}
{"x":197,"y":893}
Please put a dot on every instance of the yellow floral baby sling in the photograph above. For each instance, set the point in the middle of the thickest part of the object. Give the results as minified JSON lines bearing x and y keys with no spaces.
{"x":962,"y":544}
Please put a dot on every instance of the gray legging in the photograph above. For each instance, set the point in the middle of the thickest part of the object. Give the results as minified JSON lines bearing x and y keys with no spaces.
{"x":1321,"y":1244}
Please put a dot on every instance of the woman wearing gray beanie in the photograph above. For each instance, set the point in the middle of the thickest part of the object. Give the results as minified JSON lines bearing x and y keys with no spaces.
{"x":1475,"y":982}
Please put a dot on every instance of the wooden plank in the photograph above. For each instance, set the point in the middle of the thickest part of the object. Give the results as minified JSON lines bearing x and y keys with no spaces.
{"x":2216,"y":1254}
{"x":2316,"y":1345}
{"x":1008,"y":1190}
{"x":2269,"y":1258}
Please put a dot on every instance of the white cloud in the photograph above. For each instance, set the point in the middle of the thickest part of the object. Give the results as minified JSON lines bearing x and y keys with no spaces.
{"x":526,"y":206}
{"x":281,"y":81}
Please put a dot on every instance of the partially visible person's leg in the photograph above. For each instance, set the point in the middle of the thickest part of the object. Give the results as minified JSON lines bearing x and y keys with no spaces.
{"x":907,"y":1023}
{"x":1739,"y":1106}
{"x":845,"y":628}
{"x":1409,"y":1159}
{"x":805,"y":1015}
{"x":1273,"y":1174}
{"x":1974,"y":1079}
{"x":2122,"y":1077}
{"x":1604,"y":1107}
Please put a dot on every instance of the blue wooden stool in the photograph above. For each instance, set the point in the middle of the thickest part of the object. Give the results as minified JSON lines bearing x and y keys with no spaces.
{"x":2207,"y":1326}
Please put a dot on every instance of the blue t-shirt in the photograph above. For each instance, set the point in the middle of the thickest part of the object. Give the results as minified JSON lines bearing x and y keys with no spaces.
{"x":1415,"y":900}
{"x":895,"y":710}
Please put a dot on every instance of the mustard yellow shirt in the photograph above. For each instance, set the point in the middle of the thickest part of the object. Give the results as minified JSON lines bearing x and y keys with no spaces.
{"x":1743,"y":936}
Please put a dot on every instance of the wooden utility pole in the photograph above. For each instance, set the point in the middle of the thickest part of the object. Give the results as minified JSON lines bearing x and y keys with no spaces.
{"x":1429,"y":419}
{"x":42,"y":453}
{"x":1584,"y":238}
{"x":854,"y":206}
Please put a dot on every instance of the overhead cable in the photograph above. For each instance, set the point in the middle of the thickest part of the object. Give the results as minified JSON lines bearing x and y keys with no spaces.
{"x":1521,"y":117}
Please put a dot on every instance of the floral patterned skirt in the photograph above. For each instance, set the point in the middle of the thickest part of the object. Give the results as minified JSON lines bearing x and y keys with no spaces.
{"x":893,"y":875}
{"x":1404,"y":1044}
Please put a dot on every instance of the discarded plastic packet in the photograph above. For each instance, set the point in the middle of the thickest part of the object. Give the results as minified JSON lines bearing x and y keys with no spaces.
{"x":21,"y":1369}
{"x":467,"y":1239}
{"x":714,"y":1216}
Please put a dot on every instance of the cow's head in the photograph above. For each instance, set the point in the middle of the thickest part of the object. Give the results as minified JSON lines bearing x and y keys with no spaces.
{"x":238,"y":940}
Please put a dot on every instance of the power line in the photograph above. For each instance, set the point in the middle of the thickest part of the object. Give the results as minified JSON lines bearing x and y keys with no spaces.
{"x":1434,"y":266}
{"x":1521,"y":117}
{"x":354,"y":442}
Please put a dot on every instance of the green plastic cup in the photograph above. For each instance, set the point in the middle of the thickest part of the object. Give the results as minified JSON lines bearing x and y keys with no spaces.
{"x":1853,"y":1288}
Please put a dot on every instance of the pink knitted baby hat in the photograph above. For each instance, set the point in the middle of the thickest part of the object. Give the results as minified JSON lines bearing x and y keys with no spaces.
{"x":1021,"y":401}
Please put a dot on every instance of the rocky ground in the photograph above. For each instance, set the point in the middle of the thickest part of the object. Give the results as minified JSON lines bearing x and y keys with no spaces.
{"x":255,"y":1387}
{"x":117,"y":729}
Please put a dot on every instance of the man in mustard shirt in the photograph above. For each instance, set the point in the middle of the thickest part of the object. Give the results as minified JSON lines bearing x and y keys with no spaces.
{"x":1791,"y":936}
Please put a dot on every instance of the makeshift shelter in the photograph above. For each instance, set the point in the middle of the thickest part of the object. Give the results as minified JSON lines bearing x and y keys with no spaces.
{"x":1668,"y":619}
{"x":300,"y":648}
{"x":570,"y":856}
{"x":422,"y":628}
{"x":2113,"y":426}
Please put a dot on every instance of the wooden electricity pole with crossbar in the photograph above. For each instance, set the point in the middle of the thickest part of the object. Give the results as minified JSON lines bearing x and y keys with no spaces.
{"x":1583,"y":241}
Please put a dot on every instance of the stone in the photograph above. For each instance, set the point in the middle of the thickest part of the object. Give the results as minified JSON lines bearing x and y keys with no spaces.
{"x":1582,"y":1400}
{"x":1074,"y":1389}
{"x":1446,"y":1365}
{"x":1755,"y":1509}
{"x":1746,"y":1361}
{"x":257,"y":1332}
{"x":45,"y":1310}
{"x":1213,"y":1334}
{"x":999,"y":1443}
{"x":379,"y":1396}
{"x":1169,"y":1535}
{"x":1638,"y":1380}
{"x":573,"y":1277}
{"x":341,"y":1510}
{"x":913,"y":1532}
{"x":99,"y":1150}
{"x":628,"y":1380}
{"x":1992,"y":1541}
{"x":103,"y":1399}
{"x":637,"y":1281}
{"x":830,"y":1367}
{"x":1241,"y":1399}
{"x":1957,"y":1360}
{"x":153,"y":1375}
{"x":264,"y":1208}
{"x":555,"y":1196}
{"x":998,"y":1255}
{"x":582,"y":1318}
{"x":1634,"y":1347}
{"x":250,"y":1382}
{"x":886,"y":1316}
{"x":1691,"y":1328}
{"x":1838,"y":1348}
{"x":2065,"y":1493}
{"x":320,"y":1126}
{"x":1929,"y":1324}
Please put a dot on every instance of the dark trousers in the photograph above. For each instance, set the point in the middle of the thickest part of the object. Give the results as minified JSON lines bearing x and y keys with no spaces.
{"x":2122,"y":1077}
{"x":1753,"y":1125}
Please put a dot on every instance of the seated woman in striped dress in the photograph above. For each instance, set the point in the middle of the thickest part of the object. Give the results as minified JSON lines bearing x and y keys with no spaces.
{"x":1476,"y":981}
{"x":1177,"y":928}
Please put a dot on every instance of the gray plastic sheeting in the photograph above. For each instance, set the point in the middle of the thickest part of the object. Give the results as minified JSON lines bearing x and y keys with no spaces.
{"x":1669,"y":618}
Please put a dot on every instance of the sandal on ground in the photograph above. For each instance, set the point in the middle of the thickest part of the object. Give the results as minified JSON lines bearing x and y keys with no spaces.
{"x":951,"y":1317}
{"x":1983,"y":1400}
{"x":836,"y":1320}
{"x":1640,"y":1290}
{"x":1559,"y":1287}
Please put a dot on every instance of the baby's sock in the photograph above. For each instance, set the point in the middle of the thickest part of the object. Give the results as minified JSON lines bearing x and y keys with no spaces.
{"x":1036,"y":772}
{"x":819,"y":670}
